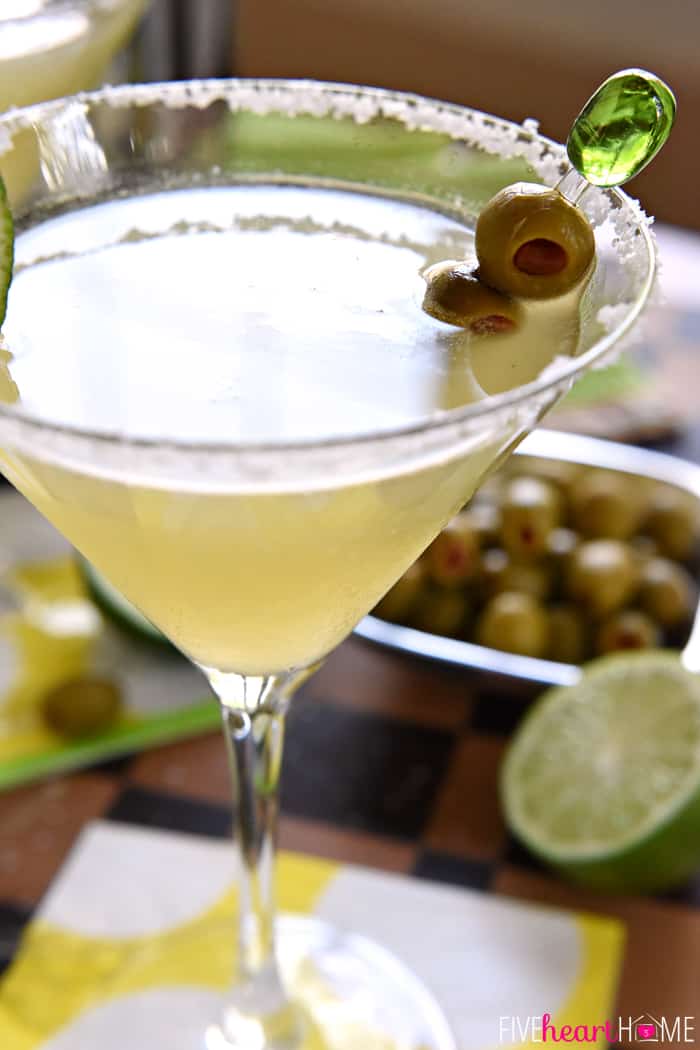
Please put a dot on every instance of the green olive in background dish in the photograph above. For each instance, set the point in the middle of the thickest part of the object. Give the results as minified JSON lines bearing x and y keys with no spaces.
{"x":533,"y":243}
{"x":602,"y":576}
{"x":494,"y":563}
{"x":666,"y":592}
{"x":671,"y":522}
{"x":456,"y":296}
{"x":452,"y":559}
{"x":555,"y":471}
{"x":440,"y":611}
{"x":525,"y":578}
{"x":568,"y":636}
{"x":605,"y":506}
{"x":82,"y":707}
{"x":561,"y":544}
{"x":514,"y":623}
{"x":629,"y":629}
{"x":585,"y":595}
{"x":399,"y":602}
{"x":485,"y":522}
{"x":499,"y":573}
{"x":489,"y":491}
{"x":529,"y":512}
{"x":643,"y":548}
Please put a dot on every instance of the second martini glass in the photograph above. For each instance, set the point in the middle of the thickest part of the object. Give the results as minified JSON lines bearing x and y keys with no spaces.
{"x":256,"y":536}
{"x":54,"y":47}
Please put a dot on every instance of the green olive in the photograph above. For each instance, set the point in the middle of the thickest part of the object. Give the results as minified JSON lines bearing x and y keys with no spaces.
{"x":514,"y":623}
{"x":605,"y":506}
{"x":494,"y":563}
{"x":455,"y":295}
{"x":489,"y":490}
{"x":567,"y":635}
{"x":561,"y":544}
{"x":440,"y":611}
{"x":602,"y":576}
{"x":629,"y":629}
{"x":499,"y":573}
{"x":452,"y":559}
{"x":671,"y":522}
{"x":524,"y":578}
{"x":530,"y":510}
{"x":485,"y":522}
{"x":643,"y":548}
{"x":533,"y":243}
{"x":82,"y":706}
{"x":666,"y":592}
{"x":556,"y":471}
{"x":398,"y":603}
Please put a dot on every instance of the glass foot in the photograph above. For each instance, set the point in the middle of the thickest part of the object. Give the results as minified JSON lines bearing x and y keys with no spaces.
{"x":349,"y":993}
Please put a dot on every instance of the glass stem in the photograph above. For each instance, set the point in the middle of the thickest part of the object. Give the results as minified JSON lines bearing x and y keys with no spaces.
{"x":254,"y":743}
{"x":253,"y":710}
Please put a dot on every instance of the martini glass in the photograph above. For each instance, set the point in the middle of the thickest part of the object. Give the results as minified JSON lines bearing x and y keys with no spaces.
{"x":50,"y":48}
{"x":219,"y":384}
{"x":54,"y":47}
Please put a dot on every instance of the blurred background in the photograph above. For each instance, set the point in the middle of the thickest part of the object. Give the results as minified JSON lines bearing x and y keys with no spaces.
{"x":540,"y":59}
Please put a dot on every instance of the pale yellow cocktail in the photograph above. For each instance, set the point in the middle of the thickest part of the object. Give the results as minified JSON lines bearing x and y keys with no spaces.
{"x":253,"y":314}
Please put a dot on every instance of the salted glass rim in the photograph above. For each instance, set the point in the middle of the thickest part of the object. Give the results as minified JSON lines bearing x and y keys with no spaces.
{"x":362,"y":103}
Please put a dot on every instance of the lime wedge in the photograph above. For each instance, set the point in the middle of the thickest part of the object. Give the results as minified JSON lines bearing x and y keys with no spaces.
{"x":602,"y":779}
{"x":7,"y":249}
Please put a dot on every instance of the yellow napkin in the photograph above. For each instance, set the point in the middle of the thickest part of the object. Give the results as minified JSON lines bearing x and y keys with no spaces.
{"x":135,"y":940}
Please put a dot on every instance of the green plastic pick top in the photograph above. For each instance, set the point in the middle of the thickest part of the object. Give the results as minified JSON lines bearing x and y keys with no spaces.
{"x":621,"y":128}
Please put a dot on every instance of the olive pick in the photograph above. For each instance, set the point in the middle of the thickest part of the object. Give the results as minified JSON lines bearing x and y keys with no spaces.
{"x":619,"y":131}
{"x":531,"y":241}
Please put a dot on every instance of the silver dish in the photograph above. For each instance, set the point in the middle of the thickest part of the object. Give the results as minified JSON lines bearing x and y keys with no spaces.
{"x":508,"y":669}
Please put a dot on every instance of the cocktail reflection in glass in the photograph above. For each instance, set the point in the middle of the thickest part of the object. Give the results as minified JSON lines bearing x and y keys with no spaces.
{"x":219,"y":384}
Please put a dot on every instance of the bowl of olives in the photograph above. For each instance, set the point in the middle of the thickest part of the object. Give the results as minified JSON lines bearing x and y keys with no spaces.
{"x":575,"y":548}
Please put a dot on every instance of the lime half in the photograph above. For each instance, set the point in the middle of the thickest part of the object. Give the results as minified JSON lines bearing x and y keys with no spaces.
{"x":7,"y":249}
{"x":602,"y":779}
